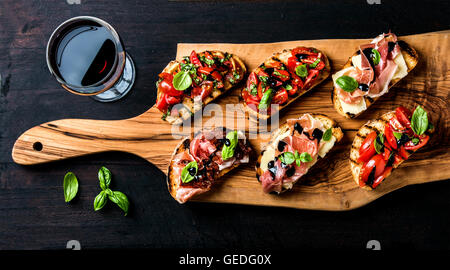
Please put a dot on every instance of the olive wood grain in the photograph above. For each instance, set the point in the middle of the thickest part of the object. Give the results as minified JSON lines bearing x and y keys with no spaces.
{"x":329,"y":184}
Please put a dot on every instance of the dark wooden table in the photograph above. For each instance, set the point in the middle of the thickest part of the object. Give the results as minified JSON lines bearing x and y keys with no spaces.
{"x":33,"y":214}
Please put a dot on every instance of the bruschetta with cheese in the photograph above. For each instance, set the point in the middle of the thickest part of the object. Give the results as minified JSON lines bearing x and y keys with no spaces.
{"x":199,"y":161}
{"x":283,"y":78}
{"x":383,"y":144}
{"x":370,"y":73}
{"x":185,"y":86}
{"x":293,"y":149}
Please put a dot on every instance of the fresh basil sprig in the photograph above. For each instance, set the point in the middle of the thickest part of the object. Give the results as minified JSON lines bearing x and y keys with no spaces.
{"x":347,"y":83}
{"x":419,"y":121}
{"x":327,"y":135}
{"x":301,"y":71}
{"x":117,"y":197}
{"x":186,"y":175}
{"x":379,"y":143}
{"x":375,"y":56}
{"x":313,"y":65}
{"x":289,"y":158}
{"x":70,"y":186}
{"x":398,"y":135}
{"x":182,"y":81}
{"x":228,"y":150}
{"x":265,"y":100}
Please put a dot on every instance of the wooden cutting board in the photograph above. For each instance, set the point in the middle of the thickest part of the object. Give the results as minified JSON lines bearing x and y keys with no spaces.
{"x":328,"y":185}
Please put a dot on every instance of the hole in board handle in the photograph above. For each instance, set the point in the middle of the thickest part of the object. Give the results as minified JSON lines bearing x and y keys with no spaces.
{"x":37,"y":146}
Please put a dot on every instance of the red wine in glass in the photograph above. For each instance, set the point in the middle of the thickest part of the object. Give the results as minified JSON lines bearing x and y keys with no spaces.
{"x":86,"y":55}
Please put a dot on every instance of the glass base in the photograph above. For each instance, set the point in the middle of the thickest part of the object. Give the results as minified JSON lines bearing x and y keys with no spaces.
{"x":123,"y":85}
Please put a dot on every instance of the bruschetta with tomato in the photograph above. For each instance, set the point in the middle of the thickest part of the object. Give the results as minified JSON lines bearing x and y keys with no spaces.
{"x":372,"y":70}
{"x":199,"y":161}
{"x":293,"y":149}
{"x":283,"y":78}
{"x":383,"y":144}
{"x":185,"y":86}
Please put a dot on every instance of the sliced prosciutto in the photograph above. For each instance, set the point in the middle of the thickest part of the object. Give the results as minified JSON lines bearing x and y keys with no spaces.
{"x":200,"y":161}
{"x":373,"y":73}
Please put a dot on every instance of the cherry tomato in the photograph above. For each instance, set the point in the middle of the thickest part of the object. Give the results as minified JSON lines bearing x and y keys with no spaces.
{"x":205,"y":70}
{"x":206,"y":87}
{"x":320,"y":65}
{"x":161,"y":103}
{"x":422,"y":141}
{"x":367,"y":149}
{"x":403,"y":153}
{"x":403,"y":116}
{"x":261,"y":73}
{"x":388,"y":132}
{"x":387,"y":152}
{"x":293,"y":91}
{"x":252,"y":80}
{"x":380,"y":178}
{"x":303,"y":50}
{"x":172,"y":100}
{"x":194,"y":59}
{"x":166,"y":86}
{"x":376,"y":163}
{"x":249,"y":99}
{"x":312,"y":76}
{"x":292,"y":63}
{"x":281,"y":74}
{"x":216,"y":76}
{"x":280,"y":97}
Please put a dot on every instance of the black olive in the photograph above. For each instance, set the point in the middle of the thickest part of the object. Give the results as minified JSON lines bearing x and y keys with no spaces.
{"x":371,"y":177}
{"x":404,"y":139}
{"x":298,"y":127}
{"x":391,"y":46}
{"x":281,"y":146}
{"x":363,"y":87}
{"x":301,"y":56}
{"x":290,"y":172}
{"x":273,"y":172}
{"x":283,"y":165}
{"x":317,"y":134}
{"x":271,"y":164}
{"x":391,"y":160}
{"x":269,"y":70}
{"x":272,"y":82}
{"x":227,"y":142}
{"x":192,"y":171}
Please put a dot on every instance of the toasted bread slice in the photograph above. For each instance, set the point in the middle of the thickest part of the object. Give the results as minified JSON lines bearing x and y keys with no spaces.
{"x":283,"y":58}
{"x":373,"y":125}
{"x":284,"y":130}
{"x":411,"y":59}
{"x":189,"y":105}
{"x":173,"y":180}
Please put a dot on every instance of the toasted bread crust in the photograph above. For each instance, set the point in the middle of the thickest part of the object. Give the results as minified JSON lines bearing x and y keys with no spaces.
{"x":411,"y":59}
{"x":282,"y":57}
{"x":189,"y":107}
{"x":326,"y":121}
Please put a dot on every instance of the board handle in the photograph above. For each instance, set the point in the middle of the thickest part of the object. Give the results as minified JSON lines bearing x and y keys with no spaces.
{"x":69,"y":138}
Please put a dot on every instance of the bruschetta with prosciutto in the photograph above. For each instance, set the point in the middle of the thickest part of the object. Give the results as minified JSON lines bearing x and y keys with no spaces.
{"x":199,"y":161}
{"x":283,"y":78}
{"x":185,"y":86}
{"x":293,"y":149}
{"x":381,"y":145}
{"x":372,"y":70}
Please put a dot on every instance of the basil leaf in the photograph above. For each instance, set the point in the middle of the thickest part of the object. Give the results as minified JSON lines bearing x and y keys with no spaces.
{"x":305,"y":157}
{"x":419,"y":121}
{"x":298,"y":162}
{"x":379,"y":143}
{"x":288,"y":87}
{"x":266,"y":99}
{"x":415,"y":141}
{"x":186,"y":177}
{"x":228,"y":150}
{"x":287,"y":158}
{"x":121,"y":200}
{"x":70,"y":186}
{"x":104,"y":176}
{"x":375,"y":56}
{"x":100,"y":200}
{"x":301,"y":71}
{"x":398,"y":135}
{"x":313,"y":65}
{"x":347,"y":83}
{"x":253,"y":89}
{"x":327,"y":135}
{"x":182,"y":80}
